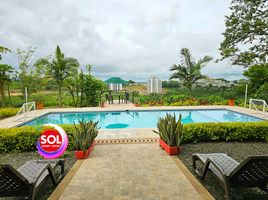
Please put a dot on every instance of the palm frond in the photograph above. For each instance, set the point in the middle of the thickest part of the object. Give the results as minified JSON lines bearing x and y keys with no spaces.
{"x":203,"y":61}
{"x":58,"y":54}
{"x":187,"y":58}
{"x":174,"y":67}
{"x":4,"y":49}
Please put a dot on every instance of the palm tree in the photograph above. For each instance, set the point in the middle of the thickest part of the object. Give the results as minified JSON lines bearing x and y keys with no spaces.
{"x":189,"y":71}
{"x":59,"y":68}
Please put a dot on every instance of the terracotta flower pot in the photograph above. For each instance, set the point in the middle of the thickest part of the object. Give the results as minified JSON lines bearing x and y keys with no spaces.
{"x":39,"y":105}
{"x":91,"y":147}
{"x":81,"y":155}
{"x":231,"y":102}
{"x":170,"y":150}
{"x":137,"y":105}
{"x":162,"y":144}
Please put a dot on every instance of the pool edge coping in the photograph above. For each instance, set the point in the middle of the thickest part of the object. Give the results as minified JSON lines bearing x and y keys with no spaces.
{"x":241,"y":110}
{"x":144,"y":110}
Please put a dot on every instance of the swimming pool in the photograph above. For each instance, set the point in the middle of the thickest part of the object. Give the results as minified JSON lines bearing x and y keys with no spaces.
{"x":141,"y":119}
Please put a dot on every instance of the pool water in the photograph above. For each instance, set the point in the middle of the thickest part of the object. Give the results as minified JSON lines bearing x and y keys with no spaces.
{"x":141,"y":119}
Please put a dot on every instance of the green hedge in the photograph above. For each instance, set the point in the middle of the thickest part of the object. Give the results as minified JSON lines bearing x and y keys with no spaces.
{"x":24,"y":138}
{"x":8,"y":112}
{"x":231,"y":131}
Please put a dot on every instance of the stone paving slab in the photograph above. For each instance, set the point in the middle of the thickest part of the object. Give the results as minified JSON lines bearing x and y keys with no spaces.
{"x":132,"y":171}
{"x":133,"y":133}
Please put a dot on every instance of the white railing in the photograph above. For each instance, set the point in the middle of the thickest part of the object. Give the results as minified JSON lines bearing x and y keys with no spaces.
{"x":25,"y":110}
{"x":262,"y":103}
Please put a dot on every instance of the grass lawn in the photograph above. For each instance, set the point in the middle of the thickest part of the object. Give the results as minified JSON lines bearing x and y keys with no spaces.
{"x":236,"y":150}
{"x":18,"y":159}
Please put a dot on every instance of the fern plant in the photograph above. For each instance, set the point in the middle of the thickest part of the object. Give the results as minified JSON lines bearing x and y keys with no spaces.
{"x":170,"y":129}
{"x":85,"y":134}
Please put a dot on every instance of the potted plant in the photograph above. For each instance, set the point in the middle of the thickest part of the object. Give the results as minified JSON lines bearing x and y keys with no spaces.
{"x":231,"y":102}
{"x":137,"y":103}
{"x":102,"y":103}
{"x":39,"y":102}
{"x":84,"y":138}
{"x":170,"y":133}
{"x":231,"y":98}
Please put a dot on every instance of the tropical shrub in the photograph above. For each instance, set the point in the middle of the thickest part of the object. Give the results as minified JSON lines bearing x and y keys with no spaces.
{"x":8,"y":112}
{"x":170,"y":129}
{"x":216,"y":96}
{"x":93,"y":86}
{"x":262,"y":92}
{"x":188,"y":102}
{"x":15,"y":101}
{"x":152,"y":99}
{"x":85,"y":89}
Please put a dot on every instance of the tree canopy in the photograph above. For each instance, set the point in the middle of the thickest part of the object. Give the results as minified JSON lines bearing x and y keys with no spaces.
{"x":29,"y":75}
{"x":245,"y":38}
{"x":59,"y":68}
{"x":3,"y":50}
{"x":257,"y":75}
{"x":189,"y":71}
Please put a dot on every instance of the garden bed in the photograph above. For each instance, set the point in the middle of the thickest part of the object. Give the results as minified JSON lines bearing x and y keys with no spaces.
{"x":18,"y":159}
{"x":236,"y":150}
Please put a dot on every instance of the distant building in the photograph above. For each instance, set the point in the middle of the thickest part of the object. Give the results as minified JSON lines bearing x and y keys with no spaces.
{"x":115,"y":86}
{"x":115,"y":83}
{"x":154,"y":85}
{"x":213,"y":82}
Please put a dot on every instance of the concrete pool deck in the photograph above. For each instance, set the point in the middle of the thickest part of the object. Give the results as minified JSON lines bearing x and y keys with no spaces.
{"x":133,"y":171}
{"x":10,"y":122}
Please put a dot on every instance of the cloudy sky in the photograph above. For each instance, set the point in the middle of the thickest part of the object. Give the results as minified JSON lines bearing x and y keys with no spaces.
{"x":133,"y":39}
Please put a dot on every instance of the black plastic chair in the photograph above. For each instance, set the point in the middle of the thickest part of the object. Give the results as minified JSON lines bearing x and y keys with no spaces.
{"x":26,"y":180}
{"x":251,"y":174}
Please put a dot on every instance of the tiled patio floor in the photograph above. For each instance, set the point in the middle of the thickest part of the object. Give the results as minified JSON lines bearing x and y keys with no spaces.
{"x":130,"y":171}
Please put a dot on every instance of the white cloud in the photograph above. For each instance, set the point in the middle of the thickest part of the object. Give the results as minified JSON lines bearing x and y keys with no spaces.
{"x":133,"y":39}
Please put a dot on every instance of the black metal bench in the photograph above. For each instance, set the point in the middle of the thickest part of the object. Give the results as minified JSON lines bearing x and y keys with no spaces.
{"x":25,"y":180}
{"x":251,"y":174}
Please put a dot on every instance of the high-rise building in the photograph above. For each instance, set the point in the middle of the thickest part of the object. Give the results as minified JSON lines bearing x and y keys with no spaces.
{"x":154,"y":85}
